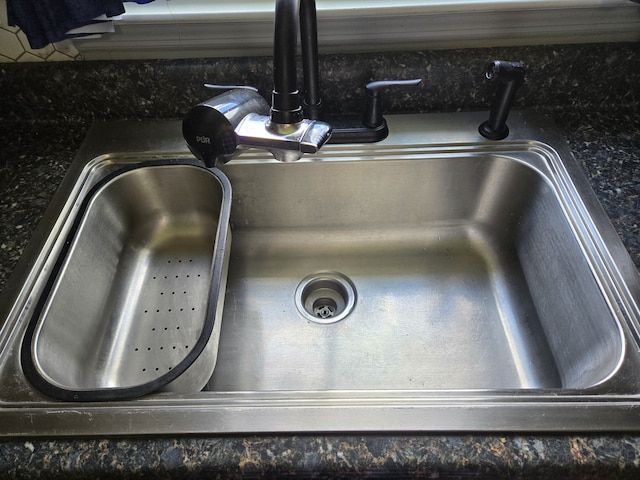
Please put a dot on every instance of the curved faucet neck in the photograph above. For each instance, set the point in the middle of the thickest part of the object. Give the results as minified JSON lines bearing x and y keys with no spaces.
{"x":292,"y":16}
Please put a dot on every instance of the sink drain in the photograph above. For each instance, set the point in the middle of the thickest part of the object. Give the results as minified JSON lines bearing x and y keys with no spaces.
{"x":325,"y":297}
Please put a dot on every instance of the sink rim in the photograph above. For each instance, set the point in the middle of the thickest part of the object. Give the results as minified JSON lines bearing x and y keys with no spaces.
{"x":253,"y":412}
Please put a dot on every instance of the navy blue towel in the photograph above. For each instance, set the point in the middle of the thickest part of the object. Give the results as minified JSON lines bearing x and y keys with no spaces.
{"x":48,"y":21}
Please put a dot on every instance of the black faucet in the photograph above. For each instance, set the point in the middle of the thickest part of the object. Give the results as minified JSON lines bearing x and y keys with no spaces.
{"x":216,"y":130}
{"x":286,"y":107}
{"x":221,"y":127}
{"x":292,"y":16}
{"x":286,"y":104}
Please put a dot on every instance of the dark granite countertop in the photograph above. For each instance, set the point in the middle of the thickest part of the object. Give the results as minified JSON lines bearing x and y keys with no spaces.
{"x":40,"y":135}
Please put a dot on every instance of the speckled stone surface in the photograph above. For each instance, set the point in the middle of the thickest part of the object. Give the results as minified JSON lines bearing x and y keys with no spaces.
{"x":591,"y":91}
{"x":576,"y":76}
{"x":33,"y":160}
{"x":352,"y":457}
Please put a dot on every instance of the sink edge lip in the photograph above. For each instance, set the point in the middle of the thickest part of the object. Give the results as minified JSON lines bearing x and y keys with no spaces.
{"x":483,"y":416}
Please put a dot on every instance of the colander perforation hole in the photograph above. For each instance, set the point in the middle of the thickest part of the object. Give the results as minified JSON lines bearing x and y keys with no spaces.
{"x":166,"y":343}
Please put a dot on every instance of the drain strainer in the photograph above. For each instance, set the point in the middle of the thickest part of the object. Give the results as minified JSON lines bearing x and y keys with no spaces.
{"x":325,"y":297}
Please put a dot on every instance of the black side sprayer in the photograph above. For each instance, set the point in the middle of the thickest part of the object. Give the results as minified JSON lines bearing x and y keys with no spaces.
{"x":510,"y":76}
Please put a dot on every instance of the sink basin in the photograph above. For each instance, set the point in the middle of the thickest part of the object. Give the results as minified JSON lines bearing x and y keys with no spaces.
{"x":463,"y":268}
{"x":435,"y":281}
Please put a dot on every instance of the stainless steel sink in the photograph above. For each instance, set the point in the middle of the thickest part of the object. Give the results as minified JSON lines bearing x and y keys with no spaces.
{"x":435,"y":281}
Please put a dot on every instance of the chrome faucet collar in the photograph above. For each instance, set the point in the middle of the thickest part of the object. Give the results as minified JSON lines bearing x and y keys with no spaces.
{"x":287,"y":142}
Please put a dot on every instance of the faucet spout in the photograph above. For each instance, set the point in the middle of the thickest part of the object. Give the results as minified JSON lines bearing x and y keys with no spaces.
{"x":285,"y":98}
{"x":216,"y":130}
{"x":287,"y":120}
{"x":291,"y":17}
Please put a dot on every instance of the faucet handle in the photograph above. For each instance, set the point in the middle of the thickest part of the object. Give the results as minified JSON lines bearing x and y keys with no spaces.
{"x":373,"y":109}
{"x":371,"y":127}
{"x":212,"y":86}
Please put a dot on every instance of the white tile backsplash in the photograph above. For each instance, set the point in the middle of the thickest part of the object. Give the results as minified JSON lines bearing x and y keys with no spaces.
{"x":14,"y":46}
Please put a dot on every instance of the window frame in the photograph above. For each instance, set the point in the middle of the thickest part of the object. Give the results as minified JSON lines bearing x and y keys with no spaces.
{"x":196,"y":28}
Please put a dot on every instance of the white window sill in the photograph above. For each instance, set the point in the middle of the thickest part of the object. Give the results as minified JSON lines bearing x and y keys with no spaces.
{"x":205,"y":28}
